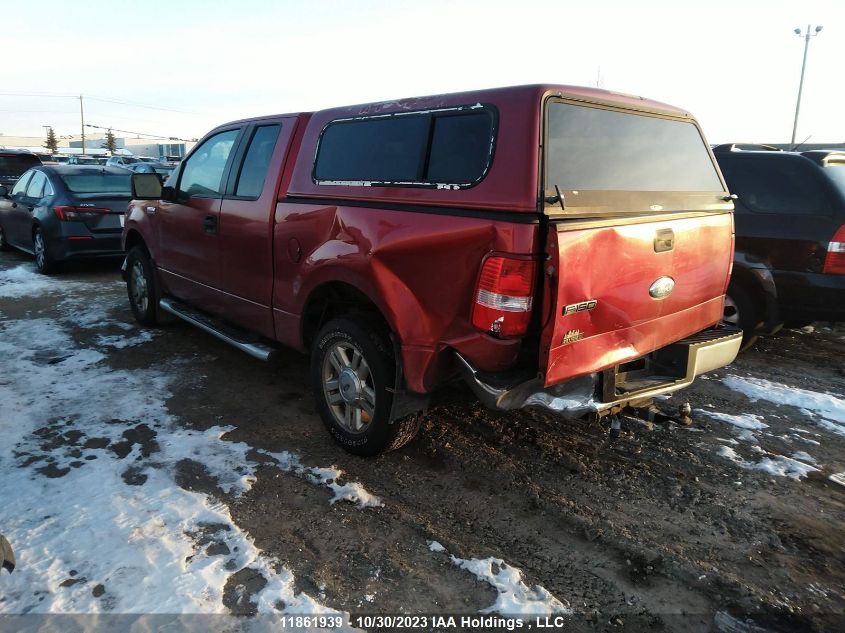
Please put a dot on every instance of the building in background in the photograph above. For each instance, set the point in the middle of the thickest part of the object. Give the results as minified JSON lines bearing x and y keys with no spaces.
{"x":135,"y":146}
{"x":95,"y":145}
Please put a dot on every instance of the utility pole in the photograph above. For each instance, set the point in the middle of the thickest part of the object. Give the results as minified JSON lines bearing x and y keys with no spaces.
{"x":82,"y":117}
{"x":807,"y":35}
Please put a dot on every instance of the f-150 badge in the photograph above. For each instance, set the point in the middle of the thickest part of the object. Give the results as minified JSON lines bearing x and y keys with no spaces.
{"x":584,"y":306}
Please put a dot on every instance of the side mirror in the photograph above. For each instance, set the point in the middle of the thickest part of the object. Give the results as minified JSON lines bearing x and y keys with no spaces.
{"x":4,"y":191}
{"x":146,"y":187}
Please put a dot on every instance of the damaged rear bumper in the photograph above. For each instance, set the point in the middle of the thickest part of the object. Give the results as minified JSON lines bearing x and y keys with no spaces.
{"x":633,"y":383}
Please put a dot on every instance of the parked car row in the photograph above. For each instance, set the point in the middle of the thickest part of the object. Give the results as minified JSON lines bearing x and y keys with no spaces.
{"x":142,"y":165}
{"x":409,"y":243}
{"x":64,"y":212}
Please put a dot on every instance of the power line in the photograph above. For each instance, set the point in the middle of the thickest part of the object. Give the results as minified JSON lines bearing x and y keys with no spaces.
{"x":159,"y":136}
{"x":94,"y":98}
{"x":139,"y":105}
{"x":34,"y":94}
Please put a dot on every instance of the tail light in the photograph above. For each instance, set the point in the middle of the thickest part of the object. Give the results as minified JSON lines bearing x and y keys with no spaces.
{"x":77,"y":214}
{"x":834,"y":262}
{"x":504,"y":296}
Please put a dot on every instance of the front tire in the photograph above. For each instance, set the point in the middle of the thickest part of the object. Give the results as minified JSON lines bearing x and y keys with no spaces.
{"x":353,"y":374}
{"x":44,"y":261}
{"x":142,"y":286}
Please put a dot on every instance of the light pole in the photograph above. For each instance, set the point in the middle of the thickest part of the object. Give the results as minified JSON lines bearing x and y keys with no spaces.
{"x":806,"y":35}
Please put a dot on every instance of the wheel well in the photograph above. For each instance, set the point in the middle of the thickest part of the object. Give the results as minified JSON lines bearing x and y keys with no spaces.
{"x":133,"y":238}
{"x":747,"y":281}
{"x":332,"y":300}
{"x":761,"y":291}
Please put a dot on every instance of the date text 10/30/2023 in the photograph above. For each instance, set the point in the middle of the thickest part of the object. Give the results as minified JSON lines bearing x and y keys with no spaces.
{"x":410,"y":622}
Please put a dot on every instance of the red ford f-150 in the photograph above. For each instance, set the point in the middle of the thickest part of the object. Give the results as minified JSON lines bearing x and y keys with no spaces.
{"x":554,"y":246}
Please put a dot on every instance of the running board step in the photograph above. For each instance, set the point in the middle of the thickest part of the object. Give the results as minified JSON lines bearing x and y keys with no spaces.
{"x":243,"y":340}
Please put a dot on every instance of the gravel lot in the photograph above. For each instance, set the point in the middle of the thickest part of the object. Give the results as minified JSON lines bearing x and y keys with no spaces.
{"x":207,"y":469}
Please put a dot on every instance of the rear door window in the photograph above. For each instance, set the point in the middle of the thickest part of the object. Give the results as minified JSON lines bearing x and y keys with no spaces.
{"x":254,"y":168}
{"x":775,"y":185}
{"x":202,"y":174}
{"x":21,"y":184}
{"x":447,"y":147}
{"x":35,"y":188}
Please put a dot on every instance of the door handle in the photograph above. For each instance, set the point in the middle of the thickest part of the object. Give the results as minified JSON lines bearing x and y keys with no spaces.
{"x":664,"y":240}
{"x":210,"y":224}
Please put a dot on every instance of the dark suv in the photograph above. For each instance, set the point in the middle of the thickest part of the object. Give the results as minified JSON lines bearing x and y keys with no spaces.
{"x":789,"y":263}
{"x":13,"y":163}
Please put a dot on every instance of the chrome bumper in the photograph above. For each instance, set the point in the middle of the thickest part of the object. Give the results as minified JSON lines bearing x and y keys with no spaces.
{"x":677,"y":365}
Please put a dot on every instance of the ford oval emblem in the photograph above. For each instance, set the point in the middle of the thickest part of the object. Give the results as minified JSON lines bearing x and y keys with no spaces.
{"x":662,"y":287}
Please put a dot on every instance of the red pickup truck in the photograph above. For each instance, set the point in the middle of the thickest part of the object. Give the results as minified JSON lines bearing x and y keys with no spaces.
{"x":554,"y":246}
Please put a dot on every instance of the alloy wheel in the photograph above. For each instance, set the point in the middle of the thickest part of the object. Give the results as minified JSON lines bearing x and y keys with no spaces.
{"x":348,"y":387}
{"x":40,"y":253}
{"x":140,"y":293}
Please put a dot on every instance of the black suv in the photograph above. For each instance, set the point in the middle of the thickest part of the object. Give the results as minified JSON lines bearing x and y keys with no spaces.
{"x":13,"y":163}
{"x":789,"y":264}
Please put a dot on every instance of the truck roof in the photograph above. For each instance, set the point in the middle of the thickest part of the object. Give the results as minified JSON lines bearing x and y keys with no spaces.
{"x":529,"y":91}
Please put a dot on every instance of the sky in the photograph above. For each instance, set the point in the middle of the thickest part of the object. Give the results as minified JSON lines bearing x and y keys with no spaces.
{"x":195,"y":64}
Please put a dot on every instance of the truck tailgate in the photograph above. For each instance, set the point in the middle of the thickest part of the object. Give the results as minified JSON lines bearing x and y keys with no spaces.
{"x":600,"y":296}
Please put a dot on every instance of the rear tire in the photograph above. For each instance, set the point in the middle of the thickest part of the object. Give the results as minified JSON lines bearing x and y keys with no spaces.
{"x":44,"y":261}
{"x":142,"y":286}
{"x":353,"y":374}
{"x":4,"y":244}
{"x":742,"y":310}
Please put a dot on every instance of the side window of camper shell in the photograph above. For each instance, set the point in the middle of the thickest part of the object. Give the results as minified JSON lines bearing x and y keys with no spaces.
{"x":448,"y":148}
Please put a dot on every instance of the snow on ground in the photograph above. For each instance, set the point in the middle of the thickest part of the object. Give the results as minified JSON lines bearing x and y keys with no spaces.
{"x":353,"y":491}
{"x":94,"y":313}
{"x":771,"y":463}
{"x":25,"y":281}
{"x":804,"y":457}
{"x":90,"y":503}
{"x":825,"y":409}
{"x":122,"y":342}
{"x":515,"y":597}
{"x":745,"y":421}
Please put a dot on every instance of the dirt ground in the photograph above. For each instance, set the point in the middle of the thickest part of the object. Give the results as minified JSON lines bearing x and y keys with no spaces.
{"x":652,"y":531}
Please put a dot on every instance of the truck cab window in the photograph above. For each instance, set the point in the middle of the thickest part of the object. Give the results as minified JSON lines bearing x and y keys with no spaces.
{"x":254,"y":169}
{"x":202,"y":174}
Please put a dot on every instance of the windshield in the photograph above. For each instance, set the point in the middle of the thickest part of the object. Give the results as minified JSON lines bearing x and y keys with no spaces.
{"x":595,"y":149}
{"x":99,"y":183}
{"x":16,"y":164}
